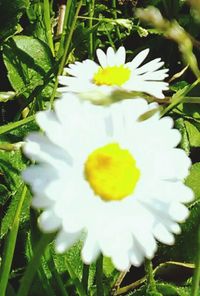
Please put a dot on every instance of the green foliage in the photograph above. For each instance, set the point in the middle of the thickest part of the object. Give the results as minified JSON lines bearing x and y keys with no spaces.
{"x":11,"y":165}
{"x":27,"y":60}
{"x":193,"y":179}
{"x":193,"y":134}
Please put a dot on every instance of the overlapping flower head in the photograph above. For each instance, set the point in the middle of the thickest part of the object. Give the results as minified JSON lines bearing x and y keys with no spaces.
{"x":113,"y":73}
{"x":107,"y":178}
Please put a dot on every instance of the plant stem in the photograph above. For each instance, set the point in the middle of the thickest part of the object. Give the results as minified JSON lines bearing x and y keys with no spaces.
{"x":34,"y":264}
{"x":114,"y":7}
{"x":10,"y":126}
{"x":91,"y":6}
{"x":151,"y":284}
{"x":47,"y":22}
{"x":99,"y":276}
{"x":66,"y":47}
{"x":85,"y":276}
{"x":10,"y":246}
{"x":109,"y":37}
{"x":180,"y":99}
{"x":196,"y":277}
{"x":65,"y":29}
{"x":61,"y":16}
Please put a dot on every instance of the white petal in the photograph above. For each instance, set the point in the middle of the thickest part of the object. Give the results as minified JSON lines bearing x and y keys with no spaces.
{"x":154,"y":88}
{"x":147,"y":243}
{"x":39,"y":148}
{"x":157,"y":75}
{"x":175,"y":228}
{"x":136,"y":255}
{"x":163,"y":235}
{"x":102,"y":58}
{"x":139,"y":58}
{"x":120,"y":56}
{"x":150,"y":67}
{"x":90,"y":249}
{"x":111,"y":60}
{"x":121,"y":261}
{"x":65,"y":240}
{"x":179,"y":212}
{"x":41,"y":202}
{"x":50,"y":124}
{"x":49,"y":222}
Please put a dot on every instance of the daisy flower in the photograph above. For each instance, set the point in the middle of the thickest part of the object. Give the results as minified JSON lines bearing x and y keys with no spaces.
{"x":112,"y":74}
{"x":108,"y":179}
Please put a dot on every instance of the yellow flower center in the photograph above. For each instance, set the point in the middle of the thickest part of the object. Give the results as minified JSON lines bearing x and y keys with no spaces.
{"x":111,"y":172}
{"x":116,"y":75}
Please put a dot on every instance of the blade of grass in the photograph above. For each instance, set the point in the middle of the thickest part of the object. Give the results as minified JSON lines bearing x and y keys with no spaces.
{"x":34,"y":264}
{"x":91,"y":7}
{"x":114,"y":7}
{"x":10,"y":246}
{"x":196,"y":277}
{"x":47,"y":22}
{"x":41,"y":275}
{"x":85,"y":276}
{"x":99,"y":276}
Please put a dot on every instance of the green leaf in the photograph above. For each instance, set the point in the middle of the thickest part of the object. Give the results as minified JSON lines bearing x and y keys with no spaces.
{"x":184,"y":144}
{"x":4,"y":194}
{"x":7,"y":220}
{"x":27,"y":60}
{"x":11,"y":165}
{"x":73,"y":257}
{"x":193,"y":134}
{"x":193,"y":179}
{"x":10,"y":14}
{"x":178,"y":85}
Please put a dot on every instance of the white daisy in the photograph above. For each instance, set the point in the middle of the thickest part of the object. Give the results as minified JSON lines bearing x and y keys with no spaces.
{"x":114,"y":74}
{"x":102,"y":173}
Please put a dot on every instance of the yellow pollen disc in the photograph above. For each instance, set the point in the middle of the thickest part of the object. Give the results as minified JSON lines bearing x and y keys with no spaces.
{"x":111,"y":172}
{"x":116,"y":75}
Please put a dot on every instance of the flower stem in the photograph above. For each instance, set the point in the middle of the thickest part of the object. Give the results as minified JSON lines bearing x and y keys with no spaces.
{"x":10,"y":126}
{"x":179,"y":98}
{"x":99,"y":276}
{"x":151,"y":284}
{"x":64,"y":47}
{"x":114,"y":6}
{"x":47,"y":22}
{"x":196,"y":277}
{"x":34,"y":264}
{"x":10,"y":246}
{"x":91,"y":6}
